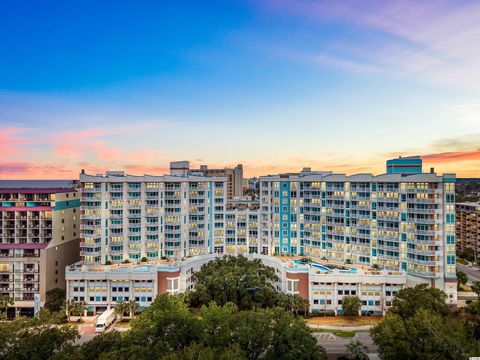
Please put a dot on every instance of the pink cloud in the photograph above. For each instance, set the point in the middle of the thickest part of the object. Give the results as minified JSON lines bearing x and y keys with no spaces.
{"x":12,"y":140}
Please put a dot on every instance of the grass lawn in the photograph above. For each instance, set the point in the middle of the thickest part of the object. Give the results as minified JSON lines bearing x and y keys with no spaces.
{"x":124,"y":323}
{"x":465,"y":287}
{"x":345,"y":320}
{"x":340,"y":333}
{"x":462,"y":261}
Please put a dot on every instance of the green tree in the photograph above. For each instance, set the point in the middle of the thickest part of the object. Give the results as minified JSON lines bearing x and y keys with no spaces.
{"x":462,"y":278}
{"x":55,"y":299}
{"x":217,"y":325}
{"x":202,"y":352}
{"x":34,"y":338}
{"x":5,"y":300}
{"x":120,"y":308}
{"x":246,"y":283}
{"x":476,"y":288}
{"x":166,"y":323}
{"x":357,"y":350}
{"x":407,"y":301}
{"x":423,"y":335}
{"x":473,"y":307}
{"x":275,"y":334}
{"x":351,"y":305}
{"x":132,"y":307}
{"x":75,"y":308}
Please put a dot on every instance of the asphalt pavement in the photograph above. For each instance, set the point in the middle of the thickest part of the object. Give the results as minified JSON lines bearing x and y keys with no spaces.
{"x":338,"y":345}
{"x":472,"y":273}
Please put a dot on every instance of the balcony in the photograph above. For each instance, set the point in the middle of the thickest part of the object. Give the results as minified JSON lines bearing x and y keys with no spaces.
{"x":89,"y":226}
{"x":90,"y":216}
{"x":91,"y":253}
{"x":422,"y":201}
{"x":427,"y":274}
{"x":424,"y":262}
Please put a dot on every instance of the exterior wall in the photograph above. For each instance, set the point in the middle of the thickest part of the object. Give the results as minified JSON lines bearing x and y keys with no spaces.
{"x":39,"y":230}
{"x":468,"y":228}
{"x":130,"y":217}
{"x":324,"y":290}
{"x":405,"y":165}
{"x":398,"y":221}
{"x":162,"y":281}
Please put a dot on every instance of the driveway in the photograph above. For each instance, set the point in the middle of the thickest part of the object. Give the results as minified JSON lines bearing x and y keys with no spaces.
{"x":338,"y":345}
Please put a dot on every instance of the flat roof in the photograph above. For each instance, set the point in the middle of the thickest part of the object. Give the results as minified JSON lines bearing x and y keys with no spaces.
{"x":34,"y":186}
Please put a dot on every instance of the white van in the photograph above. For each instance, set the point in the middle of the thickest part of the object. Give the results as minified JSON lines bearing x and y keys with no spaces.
{"x":104,"y":320}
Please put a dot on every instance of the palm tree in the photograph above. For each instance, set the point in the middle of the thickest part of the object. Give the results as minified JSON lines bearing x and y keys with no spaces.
{"x":305,"y":306}
{"x":476,"y":288}
{"x":75,"y":308}
{"x":120,"y":309}
{"x":5,"y":300}
{"x":132,"y":307}
{"x":357,"y":351}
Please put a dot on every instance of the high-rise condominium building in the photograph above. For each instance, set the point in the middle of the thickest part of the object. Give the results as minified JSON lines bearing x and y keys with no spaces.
{"x":234,"y":175}
{"x":128,"y":217}
{"x":468,"y":228}
{"x":398,"y":221}
{"x":39,"y":237}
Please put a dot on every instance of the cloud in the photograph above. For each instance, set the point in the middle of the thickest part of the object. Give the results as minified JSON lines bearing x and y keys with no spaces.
{"x":452,"y":156}
{"x":432,"y":40}
{"x":12,"y":139}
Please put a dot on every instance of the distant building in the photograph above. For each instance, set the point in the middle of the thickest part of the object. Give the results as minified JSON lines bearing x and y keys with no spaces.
{"x":468,"y":228}
{"x":405,"y":165}
{"x":234,"y":175}
{"x":39,"y":236}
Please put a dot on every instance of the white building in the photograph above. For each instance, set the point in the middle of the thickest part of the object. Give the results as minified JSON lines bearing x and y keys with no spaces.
{"x":324,"y":284}
{"x":402,"y":222}
{"x":127,"y":217}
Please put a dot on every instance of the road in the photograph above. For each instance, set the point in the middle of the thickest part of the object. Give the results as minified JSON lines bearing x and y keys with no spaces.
{"x":338,"y":345}
{"x":473,"y":274}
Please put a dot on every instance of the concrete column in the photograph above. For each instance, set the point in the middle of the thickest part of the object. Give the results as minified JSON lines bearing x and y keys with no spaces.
{"x":384,"y":299}
{"x":335,"y":297}
{"x":359,"y":291}
{"x":108,"y":295}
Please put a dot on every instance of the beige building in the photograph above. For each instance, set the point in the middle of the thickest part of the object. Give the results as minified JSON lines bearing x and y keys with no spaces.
{"x":468,"y":228}
{"x":39,"y":236}
{"x":234,"y":175}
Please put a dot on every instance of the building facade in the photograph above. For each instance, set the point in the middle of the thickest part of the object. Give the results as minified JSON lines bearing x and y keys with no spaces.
{"x":405,"y":165}
{"x":397,"y":221}
{"x":324,"y":284}
{"x":400,"y":222}
{"x":468,"y":228}
{"x":234,"y":176}
{"x":132,"y":218}
{"x":39,"y":236}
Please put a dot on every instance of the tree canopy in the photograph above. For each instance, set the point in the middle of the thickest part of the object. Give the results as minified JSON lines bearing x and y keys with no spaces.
{"x":351,"y":305}
{"x":462,"y":278}
{"x":246,"y":283}
{"x":169,"y":330}
{"x":55,"y":299}
{"x":35,"y":338}
{"x":419,"y":326}
{"x":407,"y":301}
{"x":424,"y":335}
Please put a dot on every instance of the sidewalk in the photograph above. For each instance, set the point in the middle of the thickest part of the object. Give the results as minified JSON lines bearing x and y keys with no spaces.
{"x":346,"y":328}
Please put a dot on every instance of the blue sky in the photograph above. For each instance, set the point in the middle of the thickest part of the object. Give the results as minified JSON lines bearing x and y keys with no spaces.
{"x":275,"y":85}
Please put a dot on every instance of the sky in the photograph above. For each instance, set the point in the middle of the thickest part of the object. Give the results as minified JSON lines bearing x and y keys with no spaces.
{"x":276,"y":85}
